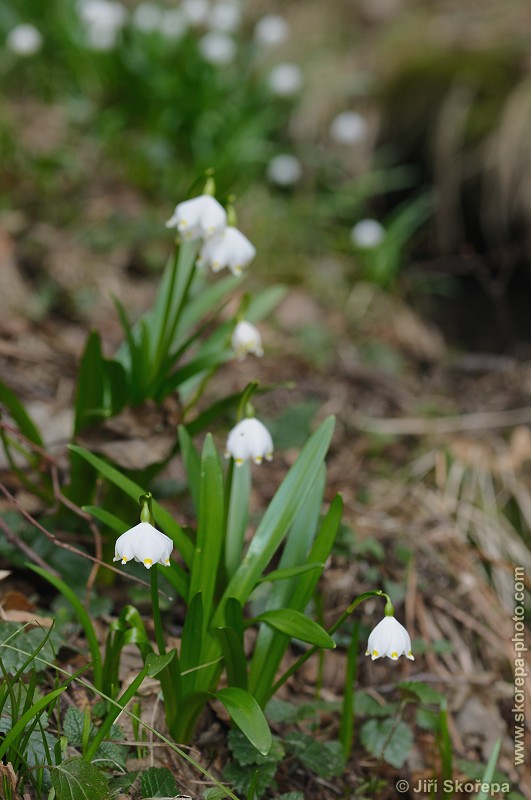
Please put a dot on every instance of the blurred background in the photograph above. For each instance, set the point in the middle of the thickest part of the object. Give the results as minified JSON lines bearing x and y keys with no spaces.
{"x":379,"y":156}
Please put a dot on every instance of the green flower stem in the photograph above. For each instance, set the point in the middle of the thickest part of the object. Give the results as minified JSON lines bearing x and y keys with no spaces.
{"x":337,"y":624}
{"x":113,"y":713}
{"x":170,"y":677}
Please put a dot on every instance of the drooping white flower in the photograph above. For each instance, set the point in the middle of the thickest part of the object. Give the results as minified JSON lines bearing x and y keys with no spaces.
{"x":389,"y":638}
{"x":24,"y":40}
{"x":147,"y":17}
{"x":217,"y":48}
{"x":145,"y":544}
{"x":103,"y":20}
{"x":173,"y":24}
{"x":367,"y":233}
{"x":246,"y":339}
{"x":348,"y":127}
{"x":225,"y":16}
{"x":199,"y":217}
{"x":284,"y":169}
{"x":196,"y":11}
{"x":285,"y":79}
{"x":249,"y":439}
{"x":227,"y":249}
{"x":271,"y":30}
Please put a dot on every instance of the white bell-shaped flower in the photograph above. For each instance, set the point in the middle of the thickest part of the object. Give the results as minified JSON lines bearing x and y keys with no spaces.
{"x":285,"y":79}
{"x":103,"y":20}
{"x":227,"y":249}
{"x":271,"y":30}
{"x":143,"y":543}
{"x":389,"y":638}
{"x":217,"y":48}
{"x":199,"y":217}
{"x":246,"y":339}
{"x":367,"y":234}
{"x":249,"y":439}
{"x":284,"y":169}
{"x":24,"y":40}
{"x":348,"y":127}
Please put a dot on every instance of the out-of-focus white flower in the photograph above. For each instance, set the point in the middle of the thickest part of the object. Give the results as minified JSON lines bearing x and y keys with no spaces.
{"x":103,"y":20}
{"x":24,"y":40}
{"x":173,"y":24}
{"x":196,"y":11}
{"x":147,"y":17}
{"x":227,"y":249}
{"x":271,"y":30}
{"x":217,"y":48}
{"x":285,"y":79}
{"x":199,"y":217}
{"x":246,"y":339}
{"x":389,"y":638}
{"x":367,"y":233}
{"x":249,"y":439}
{"x":144,"y":543}
{"x":226,"y":16}
{"x":348,"y":127}
{"x":284,"y":169}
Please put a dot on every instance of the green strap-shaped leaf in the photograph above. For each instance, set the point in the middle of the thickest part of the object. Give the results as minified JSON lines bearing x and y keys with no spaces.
{"x":209,"y":541}
{"x":169,"y":525}
{"x":296,"y":625}
{"x":192,"y":642}
{"x":234,"y":656}
{"x":290,"y":572}
{"x":107,"y":518}
{"x":192,"y":464}
{"x":248,"y":716}
{"x":20,"y":415}
{"x":90,"y":393}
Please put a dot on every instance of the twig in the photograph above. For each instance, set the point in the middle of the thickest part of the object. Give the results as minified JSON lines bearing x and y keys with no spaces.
{"x":417,"y":426}
{"x":15,"y":540}
{"x":66,"y":546}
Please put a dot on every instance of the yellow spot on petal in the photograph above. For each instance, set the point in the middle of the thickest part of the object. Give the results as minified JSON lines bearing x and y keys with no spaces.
{"x":124,"y":559}
{"x":394,"y":656}
{"x":167,"y":562}
{"x":258,"y":460}
{"x":239,"y":461}
{"x":148,"y":562}
{"x":375,"y":654}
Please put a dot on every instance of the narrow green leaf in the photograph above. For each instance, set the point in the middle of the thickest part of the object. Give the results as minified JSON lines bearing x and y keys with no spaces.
{"x":117,"y":385}
{"x":20,"y":416}
{"x":156,"y":663}
{"x":27,"y":717}
{"x":107,"y":518}
{"x":76,"y":779}
{"x":295,"y":624}
{"x":90,"y":392}
{"x":488,"y":775}
{"x":168,"y":524}
{"x":238,"y":514}
{"x":82,"y":616}
{"x":289,"y":572}
{"x":192,"y":464}
{"x":248,"y":716}
{"x":234,"y":616}
{"x":234,"y":655}
{"x":209,"y":540}
{"x":138,"y":370}
{"x":281,"y":513}
{"x":192,"y":641}
{"x":192,"y":369}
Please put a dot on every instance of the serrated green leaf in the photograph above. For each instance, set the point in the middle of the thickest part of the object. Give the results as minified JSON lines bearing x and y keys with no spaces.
{"x":387,"y":739}
{"x":245,"y":754}
{"x":76,"y":779}
{"x":423,"y":691}
{"x":324,"y":758}
{"x":297,"y":625}
{"x":157,"y":782}
{"x":242,"y":778}
{"x":248,"y":716}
